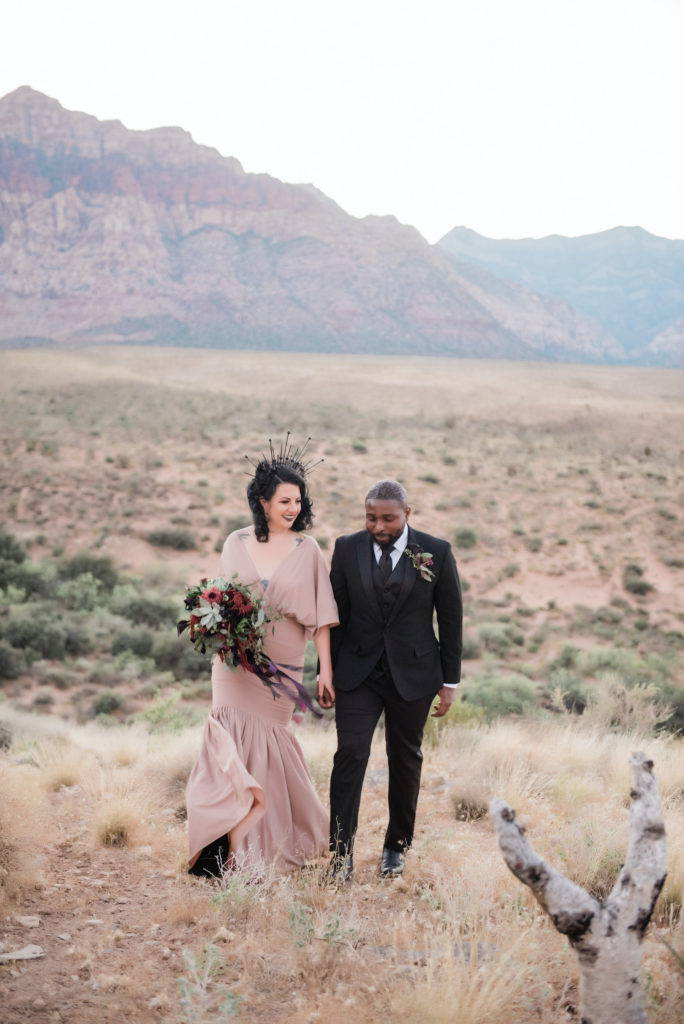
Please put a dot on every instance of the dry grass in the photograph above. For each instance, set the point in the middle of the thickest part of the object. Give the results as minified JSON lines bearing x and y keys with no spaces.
{"x":373,"y":949}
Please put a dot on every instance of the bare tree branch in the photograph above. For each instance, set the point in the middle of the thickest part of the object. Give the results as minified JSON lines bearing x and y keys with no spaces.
{"x":606,"y":935}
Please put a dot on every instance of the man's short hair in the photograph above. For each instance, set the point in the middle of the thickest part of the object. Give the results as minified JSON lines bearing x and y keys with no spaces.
{"x":388,"y":490}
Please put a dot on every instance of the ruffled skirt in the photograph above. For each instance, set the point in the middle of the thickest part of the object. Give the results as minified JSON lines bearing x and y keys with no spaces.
{"x":251,"y":782}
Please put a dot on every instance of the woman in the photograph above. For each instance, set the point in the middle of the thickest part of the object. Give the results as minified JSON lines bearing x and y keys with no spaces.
{"x":249,"y":797}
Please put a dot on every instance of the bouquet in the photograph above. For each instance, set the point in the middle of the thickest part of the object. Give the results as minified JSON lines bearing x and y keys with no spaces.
{"x":227,"y":620}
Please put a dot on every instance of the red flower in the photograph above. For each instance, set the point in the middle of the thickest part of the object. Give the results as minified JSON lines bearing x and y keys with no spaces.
{"x":241,"y":603}
{"x":212,"y":595}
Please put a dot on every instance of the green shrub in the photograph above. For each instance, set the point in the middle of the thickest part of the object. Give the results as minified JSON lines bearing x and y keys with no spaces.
{"x":633,"y":579}
{"x":138,"y":641}
{"x":175,"y":654}
{"x":574,"y":694}
{"x":12,"y":661}
{"x":99,"y":566}
{"x":35,"y":629}
{"x":465,"y":538}
{"x":10,"y":548}
{"x":471,"y":648}
{"x":533,"y":544}
{"x":80,"y":593}
{"x":180,"y":540}
{"x":566,"y":658}
{"x":38,"y":581}
{"x":498,"y":637}
{"x":500,"y":694}
{"x":142,"y":606}
{"x":107,"y":703}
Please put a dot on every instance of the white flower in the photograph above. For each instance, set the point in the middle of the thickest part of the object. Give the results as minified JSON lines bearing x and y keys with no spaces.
{"x":209,"y":614}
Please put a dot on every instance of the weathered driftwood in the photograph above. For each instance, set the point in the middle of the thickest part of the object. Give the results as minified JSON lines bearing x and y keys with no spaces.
{"x":606,"y":934}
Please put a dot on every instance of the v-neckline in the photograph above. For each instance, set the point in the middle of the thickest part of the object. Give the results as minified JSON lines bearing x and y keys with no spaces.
{"x":265,"y":582}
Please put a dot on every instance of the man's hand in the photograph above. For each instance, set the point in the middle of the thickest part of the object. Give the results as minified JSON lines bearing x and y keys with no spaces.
{"x":325,"y":693}
{"x":447,"y":695}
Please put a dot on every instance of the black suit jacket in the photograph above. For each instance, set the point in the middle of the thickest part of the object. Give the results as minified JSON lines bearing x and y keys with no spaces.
{"x":420,"y":663}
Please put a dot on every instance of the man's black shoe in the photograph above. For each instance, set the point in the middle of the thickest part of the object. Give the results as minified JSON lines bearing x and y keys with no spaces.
{"x":392,"y":864}
{"x":340,"y":870}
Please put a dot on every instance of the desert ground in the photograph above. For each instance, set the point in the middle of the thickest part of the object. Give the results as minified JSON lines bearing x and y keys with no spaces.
{"x":561,"y":489}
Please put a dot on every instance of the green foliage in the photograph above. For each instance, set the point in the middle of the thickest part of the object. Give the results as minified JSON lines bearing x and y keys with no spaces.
{"x":567,"y":658}
{"x":143,"y":606}
{"x":633,"y":579}
{"x":203,"y":1000}
{"x":165,"y":716}
{"x":33,"y":580}
{"x":335,"y":934}
{"x":465,"y":538}
{"x":301,"y":924}
{"x":80,"y":593}
{"x":180,"y":540}
{"x":627,"y":665}
{"x":174,"y":654}
{"x":461,"y":713}
{"x":107,"y":703}
{"x":472,"y":648}
{"x":10,"y":548}
{"x":35,"y":629}
{"x":500,"y":694}
{"x":12,"y":661}
{"x":138,"y":640}
{"x":99,"y":566}
{"x":573,"y":693}
{"x":498,"y":637}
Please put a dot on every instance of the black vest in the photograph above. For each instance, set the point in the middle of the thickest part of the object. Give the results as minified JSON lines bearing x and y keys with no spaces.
{"x":387,"y":595}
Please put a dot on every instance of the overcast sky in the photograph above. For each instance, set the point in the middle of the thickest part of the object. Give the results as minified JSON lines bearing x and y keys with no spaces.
{"x":515,"y":118}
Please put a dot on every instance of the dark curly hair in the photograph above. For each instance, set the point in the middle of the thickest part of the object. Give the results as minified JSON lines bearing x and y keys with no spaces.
{"x":263,"y":485}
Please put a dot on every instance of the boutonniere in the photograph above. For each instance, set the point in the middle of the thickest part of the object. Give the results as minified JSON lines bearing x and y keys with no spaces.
{"x":420,"y":560}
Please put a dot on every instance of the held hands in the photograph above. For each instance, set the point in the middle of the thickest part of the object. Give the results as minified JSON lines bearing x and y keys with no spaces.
{"x":325,"y":692}
{"x":447,"y":695}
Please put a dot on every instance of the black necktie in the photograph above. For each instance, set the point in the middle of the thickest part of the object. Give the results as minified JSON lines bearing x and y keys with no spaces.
{"x":385,"y":563}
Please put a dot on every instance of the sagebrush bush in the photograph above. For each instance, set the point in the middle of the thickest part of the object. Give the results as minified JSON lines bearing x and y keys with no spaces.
{"x":175,"y":654}
{"x":107,"y":703}
{"x":138,"y":639}
{"x":465,"y":538}
{"x":80,"y":593}
{"x":633,"y":579}
{"x":10,"y":548}
{"x":35,"y":629}
{"x":135,"y":601}
{"x":12,"y":661}
{"x":180,"y":540}
{"x":498,"y":637}
{"x":100,"y":566}
{"x":500,"y":694}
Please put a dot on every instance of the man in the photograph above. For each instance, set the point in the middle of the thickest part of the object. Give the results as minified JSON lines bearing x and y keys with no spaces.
{"x":388,"y":580}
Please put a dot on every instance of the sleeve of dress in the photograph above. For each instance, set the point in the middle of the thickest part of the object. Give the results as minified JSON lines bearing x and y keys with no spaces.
{"x":319,"y":608}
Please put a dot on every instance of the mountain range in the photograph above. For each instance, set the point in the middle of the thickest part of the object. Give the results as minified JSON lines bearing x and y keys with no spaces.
{"x":113,"y":235}
{"x":632,"y":282}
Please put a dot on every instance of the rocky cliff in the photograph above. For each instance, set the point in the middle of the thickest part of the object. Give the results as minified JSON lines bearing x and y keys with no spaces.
{"x":108,"y":235}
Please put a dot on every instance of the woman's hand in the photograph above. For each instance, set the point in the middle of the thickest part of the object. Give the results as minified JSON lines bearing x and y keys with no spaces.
{"x":325,"y":692}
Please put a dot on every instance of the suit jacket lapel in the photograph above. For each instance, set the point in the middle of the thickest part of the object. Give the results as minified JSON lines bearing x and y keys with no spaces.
{"x":407,"y":582}
{"x":364,"y":553}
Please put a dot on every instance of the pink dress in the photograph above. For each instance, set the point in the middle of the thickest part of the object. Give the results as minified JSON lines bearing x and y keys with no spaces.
{"x":250,"y":780}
